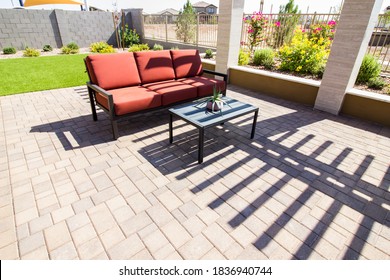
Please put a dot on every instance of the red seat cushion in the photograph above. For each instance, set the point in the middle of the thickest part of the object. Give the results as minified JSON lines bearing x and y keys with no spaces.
{"x":113,"y":70}
{"x":205,"y":85}
{"x":173,"y":91}
{"x":154,"y":66}
{"x":186,"y":63}
{"x":131,"y":99}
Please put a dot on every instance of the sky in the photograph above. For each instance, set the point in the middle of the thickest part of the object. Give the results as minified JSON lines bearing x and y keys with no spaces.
{"x":153,"y":6}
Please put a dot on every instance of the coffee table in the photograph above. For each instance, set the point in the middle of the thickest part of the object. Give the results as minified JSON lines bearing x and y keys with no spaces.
{"x":195,"y":113}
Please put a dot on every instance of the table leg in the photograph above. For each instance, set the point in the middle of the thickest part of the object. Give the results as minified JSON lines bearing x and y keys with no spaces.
{"x":170,"y":128}
{"x":200,"y":145}
{"x":254,"y":123}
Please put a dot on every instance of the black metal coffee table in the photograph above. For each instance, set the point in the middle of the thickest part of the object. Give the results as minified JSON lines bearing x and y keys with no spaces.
{"x":195,"y":113}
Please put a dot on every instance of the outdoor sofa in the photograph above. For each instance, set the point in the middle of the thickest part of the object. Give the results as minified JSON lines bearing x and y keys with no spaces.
{"x":123,"y":84}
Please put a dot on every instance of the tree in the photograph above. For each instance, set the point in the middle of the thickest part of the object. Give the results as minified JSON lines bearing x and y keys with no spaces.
{"x":286,"y":23}
{"x":186,"y":23}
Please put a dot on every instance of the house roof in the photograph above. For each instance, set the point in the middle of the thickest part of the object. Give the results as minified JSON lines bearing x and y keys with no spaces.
{"x":202,"y":4}
{"x":169,"y":11}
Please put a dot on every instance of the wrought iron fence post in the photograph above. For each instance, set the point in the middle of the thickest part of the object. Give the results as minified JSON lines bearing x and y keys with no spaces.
{"x":166,"y":28}
{"x":197,"y":29}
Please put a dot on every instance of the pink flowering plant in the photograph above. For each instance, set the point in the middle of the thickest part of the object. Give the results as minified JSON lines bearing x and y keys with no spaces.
{"x":257,"y":25}
{"x":322,"y":34}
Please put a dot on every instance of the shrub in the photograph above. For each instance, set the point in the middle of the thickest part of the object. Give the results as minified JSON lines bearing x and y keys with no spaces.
{"x":208,"y":54}
{"x":30,"y":52}
{"x":175,"y":48}
{"x":70,"y":48}
{"x":243,"y":57}
{"x":264,"y":57}
{"x":47,"y":48}
{"x":101,"y":47}
{"x":9,"y":50}
{"x":369,"y":69}
{"x":376,"y":83}
{"x":139,"y":48}
{"x":303,"y":55}
{"x":130,"y":37}
{"x":158,"y":47}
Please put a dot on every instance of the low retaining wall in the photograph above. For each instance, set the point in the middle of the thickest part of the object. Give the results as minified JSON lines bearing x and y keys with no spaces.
{"x":368,"y":106}
{"x":282,"y":86}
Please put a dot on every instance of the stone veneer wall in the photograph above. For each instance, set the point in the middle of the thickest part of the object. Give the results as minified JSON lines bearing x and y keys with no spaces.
{"x":36,"y":28}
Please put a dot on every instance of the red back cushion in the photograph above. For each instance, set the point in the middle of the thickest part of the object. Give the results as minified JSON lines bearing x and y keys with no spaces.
{"x":111,"y":71}
{"x":154,"y":66}
{"x":186,"y":63}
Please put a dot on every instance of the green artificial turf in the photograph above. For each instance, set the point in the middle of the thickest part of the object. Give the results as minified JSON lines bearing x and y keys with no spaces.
{"x":19,"y":75}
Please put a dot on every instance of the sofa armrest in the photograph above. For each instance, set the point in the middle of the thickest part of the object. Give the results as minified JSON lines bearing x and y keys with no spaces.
{"x":225,"y":76}
{"x":106,"y":94}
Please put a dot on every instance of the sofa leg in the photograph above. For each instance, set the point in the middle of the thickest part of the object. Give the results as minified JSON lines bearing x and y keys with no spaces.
{"x":93,"y":107}
{"x":114,"y":126}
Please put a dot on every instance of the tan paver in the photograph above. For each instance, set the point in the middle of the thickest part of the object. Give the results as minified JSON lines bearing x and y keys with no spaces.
{"x":308,"y":186}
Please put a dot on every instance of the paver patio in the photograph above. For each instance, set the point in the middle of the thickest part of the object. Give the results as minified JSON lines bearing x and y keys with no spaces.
{"x":308,"y":186}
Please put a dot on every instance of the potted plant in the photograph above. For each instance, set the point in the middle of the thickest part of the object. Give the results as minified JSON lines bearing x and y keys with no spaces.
{"x":215,"y":103}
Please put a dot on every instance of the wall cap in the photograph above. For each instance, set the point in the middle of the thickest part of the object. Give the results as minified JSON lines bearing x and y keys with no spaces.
{"x":207,"y":61}
{"x":278,"y":76}
{"x":369,"y":95}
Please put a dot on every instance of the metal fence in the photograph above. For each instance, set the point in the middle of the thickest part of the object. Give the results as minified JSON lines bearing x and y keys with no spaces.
{"x":380,"y":43}
{"x":279,"y":26}
{"x":164,"y":27}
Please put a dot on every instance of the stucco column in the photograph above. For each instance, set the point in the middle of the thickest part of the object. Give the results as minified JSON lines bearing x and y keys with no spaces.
{"x":354,"y":29}
{"x":229,"y":33}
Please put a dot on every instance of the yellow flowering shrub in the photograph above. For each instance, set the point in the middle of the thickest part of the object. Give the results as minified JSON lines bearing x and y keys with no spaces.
{"x":304,"y":55}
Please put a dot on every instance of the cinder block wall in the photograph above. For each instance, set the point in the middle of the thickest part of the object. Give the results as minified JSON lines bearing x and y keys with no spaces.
{"x":36,"y":28}
{"x":85,"y":28}
{"x":32,"y":28}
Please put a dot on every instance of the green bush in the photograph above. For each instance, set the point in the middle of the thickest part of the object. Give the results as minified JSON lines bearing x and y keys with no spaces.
{"x":208,"y":54}
{"x":369,"y":69}
{"x":70,"y":48}
{"x":139,"y":48}
{"x":264,"y":57}
{"x":376,"y":83}
{"x":243,"y":57}
{"x":130,"y":37}
{"x":158,"y":47}
{"x":9,"y":50}
{"x":101,"y":47}
{"x":47,"y":48}
{"x":303,"y":55}
{"x":175,"y":48}
{"x":30,"y":52}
